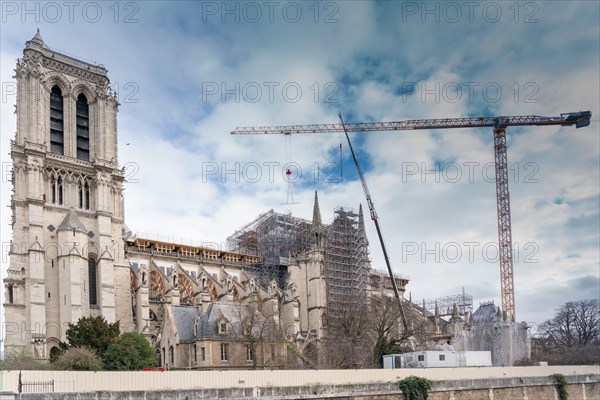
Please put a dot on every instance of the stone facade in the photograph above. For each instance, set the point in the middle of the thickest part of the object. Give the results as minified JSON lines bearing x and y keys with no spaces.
{"x":67,"y":199}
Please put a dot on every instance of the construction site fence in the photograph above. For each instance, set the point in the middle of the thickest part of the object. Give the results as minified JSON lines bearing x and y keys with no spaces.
{"x":78,"y":382}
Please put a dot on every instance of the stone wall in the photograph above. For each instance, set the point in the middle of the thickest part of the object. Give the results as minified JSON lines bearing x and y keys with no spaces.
{"x":582,"y":387}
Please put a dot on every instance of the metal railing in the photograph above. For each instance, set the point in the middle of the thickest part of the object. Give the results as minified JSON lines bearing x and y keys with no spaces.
{"x":35,"y":386}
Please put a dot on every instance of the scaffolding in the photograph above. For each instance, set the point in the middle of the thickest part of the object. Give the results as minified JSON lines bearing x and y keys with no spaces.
{"x":277,"y":238}
{"x":347,"y":260}
{"x":463,"y":301}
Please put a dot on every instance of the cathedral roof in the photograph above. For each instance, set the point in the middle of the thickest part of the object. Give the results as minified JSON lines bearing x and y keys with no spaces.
{"x":71,"y":221}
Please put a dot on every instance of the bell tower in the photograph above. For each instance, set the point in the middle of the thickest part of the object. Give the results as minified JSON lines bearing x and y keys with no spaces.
{"x":67,"y":200}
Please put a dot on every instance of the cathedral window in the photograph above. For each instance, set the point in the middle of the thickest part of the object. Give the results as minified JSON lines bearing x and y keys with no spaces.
{"x":59,"y":190}
{"x":84,"y":196}
{"x":56,"y":121}
{"x":11,"y":294}
{"x":56,"y":190}
{"x":93,"y":283}
{"x":83,"y":128}
{"x":53,"y":189}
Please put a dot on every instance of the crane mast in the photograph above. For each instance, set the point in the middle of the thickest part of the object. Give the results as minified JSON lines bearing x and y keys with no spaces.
{"x":499,"y":125}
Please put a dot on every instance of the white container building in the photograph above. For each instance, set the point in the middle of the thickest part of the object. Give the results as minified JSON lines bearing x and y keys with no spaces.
{"x":438,"y":359}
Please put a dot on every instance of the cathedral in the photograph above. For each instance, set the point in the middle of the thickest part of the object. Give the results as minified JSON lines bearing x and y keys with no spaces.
{"x":267,"y":301}
{"x":73,"y":256}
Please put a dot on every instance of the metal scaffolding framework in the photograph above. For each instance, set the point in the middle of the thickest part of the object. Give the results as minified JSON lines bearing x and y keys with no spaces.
{"x":463,"y":301}
{"x":347,"y":260}
{"x":277,"y":238}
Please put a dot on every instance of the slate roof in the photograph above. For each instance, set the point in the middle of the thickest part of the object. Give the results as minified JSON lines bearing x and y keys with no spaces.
{"x":485,"y":314}
{"x":185,"y":318}
{"x":184,"y":321}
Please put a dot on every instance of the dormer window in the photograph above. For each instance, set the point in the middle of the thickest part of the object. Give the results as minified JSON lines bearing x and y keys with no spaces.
{"x":222,"y":328}
{"x":83,"y":128}
{"x":56,"y":121}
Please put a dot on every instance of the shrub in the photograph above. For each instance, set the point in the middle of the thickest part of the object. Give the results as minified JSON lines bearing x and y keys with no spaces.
{"x":21,"y":359}
{"x":415,"y":388}
{"x":129,"y":352}
{"x":78,"y":359}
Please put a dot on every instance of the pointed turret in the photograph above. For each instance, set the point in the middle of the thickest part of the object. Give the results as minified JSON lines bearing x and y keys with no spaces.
{"x":317,"y":225}
{"x":36,"y":41}
{"x":361,"y":225}
{"x":455,"y":314}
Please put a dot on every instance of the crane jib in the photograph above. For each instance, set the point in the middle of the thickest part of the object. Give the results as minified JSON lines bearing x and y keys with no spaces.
{"x":579,"y":119}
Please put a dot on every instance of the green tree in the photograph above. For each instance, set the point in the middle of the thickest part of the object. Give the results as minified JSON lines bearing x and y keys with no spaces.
{"x":94,"y":333}
{"x":129,"y":352}
{"x":78,"y":359}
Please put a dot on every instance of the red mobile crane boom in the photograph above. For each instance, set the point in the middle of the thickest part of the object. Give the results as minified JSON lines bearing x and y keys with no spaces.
{"x":499,"y":125}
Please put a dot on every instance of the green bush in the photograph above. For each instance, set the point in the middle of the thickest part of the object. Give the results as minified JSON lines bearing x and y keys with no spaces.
{"x":129,"y":352}
{"x":561,"y":386}
{"x":415,"y":388}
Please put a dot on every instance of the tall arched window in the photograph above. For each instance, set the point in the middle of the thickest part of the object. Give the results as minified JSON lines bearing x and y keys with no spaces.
{"x":84,"y":195}
{"x":59,"y":189}
{"x":53,"y":189}
{"x":83,"y":128}
{"x":56,"y":121}
{"x":11,"y":294}
{"x":92,"y":280}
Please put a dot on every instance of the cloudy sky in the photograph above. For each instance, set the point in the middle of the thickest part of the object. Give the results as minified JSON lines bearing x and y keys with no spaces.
{"x":187,"y":73}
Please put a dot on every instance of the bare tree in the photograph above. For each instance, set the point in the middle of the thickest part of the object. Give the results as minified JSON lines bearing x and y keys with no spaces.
{"x":349,"y":339}
{"x":254,"y":327}
{"x":389,"y":335}
{"x":572,"y":335}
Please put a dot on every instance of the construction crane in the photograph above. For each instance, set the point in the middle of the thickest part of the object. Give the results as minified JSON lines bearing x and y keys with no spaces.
{"x":499,"y":125}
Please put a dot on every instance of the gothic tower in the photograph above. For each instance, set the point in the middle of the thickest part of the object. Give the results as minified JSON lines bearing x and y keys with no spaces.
{"x":66,"y":258}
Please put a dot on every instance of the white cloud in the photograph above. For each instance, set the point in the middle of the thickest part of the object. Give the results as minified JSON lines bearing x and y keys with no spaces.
{"x":177,"y":128}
